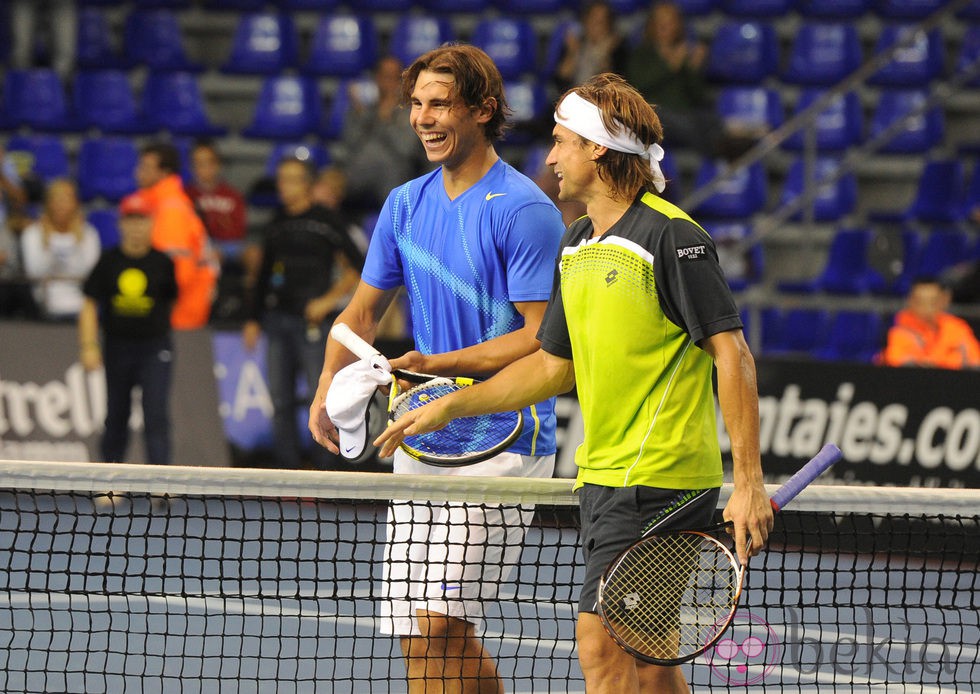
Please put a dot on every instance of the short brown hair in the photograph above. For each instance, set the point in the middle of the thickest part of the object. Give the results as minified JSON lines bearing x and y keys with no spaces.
{"x":620,"y":104}
{"x":477,"y":81}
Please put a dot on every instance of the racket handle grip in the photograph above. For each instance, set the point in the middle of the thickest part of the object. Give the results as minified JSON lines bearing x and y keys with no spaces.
{"x":827,"y":456}
{"x":342,"y":333}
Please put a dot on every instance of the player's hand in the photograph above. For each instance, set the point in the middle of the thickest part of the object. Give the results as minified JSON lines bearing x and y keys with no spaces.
{"x":319,"y":424}
{"x":410,"y":361}
{"x":431,"y":417}
{"x":751,"y":513}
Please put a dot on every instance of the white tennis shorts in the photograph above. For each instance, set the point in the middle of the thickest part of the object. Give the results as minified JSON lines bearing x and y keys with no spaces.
{"x":446,"y":557}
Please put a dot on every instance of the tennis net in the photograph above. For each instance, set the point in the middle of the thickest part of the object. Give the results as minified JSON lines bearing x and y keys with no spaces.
{"x":245,"y":580}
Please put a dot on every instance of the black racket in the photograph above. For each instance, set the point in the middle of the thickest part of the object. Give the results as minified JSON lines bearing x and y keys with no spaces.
{"x":462,"y":441}
{"x":670,"y":596}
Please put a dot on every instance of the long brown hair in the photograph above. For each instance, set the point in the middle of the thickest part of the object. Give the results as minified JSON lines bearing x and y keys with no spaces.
{"x":620,"y":104}
{"x":477,"y":80}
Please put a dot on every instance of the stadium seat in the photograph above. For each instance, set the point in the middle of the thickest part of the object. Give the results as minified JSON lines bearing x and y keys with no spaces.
{"x":511,"y":43}
{"x":154,"y":38}
{"x":971,"y":193}
{"x":939,"y":196}
{"x":742,"y":193}
{"x":756,"y":8}
{"x":104,"y":100}
{"x":846,"y":270}
{"x":944,"y":247}
{"x":554,"y":46}
{"x":697,"y":8}
{"x":36,"y":98}
{"x":415,"y":34}
{"x":893,"y":261}
{"x":372,"y":6}
{"x":970,"y":12}
{"x":769,"y":330}
{"x":832,"y":9}
{"x":823,"y":54}
{"x":750,"y":108}
{"x":742,"y":53}
{"x":543,"y":7}
{"x":287,"y":108}
{"x":106,"y":167}
{"x":264,"y":43}
{"x":236,"y":5}
{"x":304,"y":5}
{"x":528,"y":102}
{"x":918,"y":133}
{"x":906,"y":10}
{"x":172,"y":101}
{"x":833,"y":200}
{"x":801,"y":331}
{"x":472,"y":7}
{"x":47,"y":154}
{"x":854,"y":336}
{"x":839,"y":125}
{"x":342,"y":46}
{"x":106,"y":222}
{"x":914,"y":65}
{"x":162,"y":4}
{"x":743,"y":267}
{"x":96,"y":48}
{"x":968,"y":58}
{"x":263,"y":192}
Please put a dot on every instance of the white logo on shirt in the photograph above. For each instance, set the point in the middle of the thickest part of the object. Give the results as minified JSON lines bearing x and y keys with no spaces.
{"x":490,"y":196}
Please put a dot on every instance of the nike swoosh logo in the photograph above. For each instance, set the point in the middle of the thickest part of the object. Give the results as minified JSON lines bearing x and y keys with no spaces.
{"x":451,"y":586}
{"x":491,"y":196}
{"x":349,"y":449}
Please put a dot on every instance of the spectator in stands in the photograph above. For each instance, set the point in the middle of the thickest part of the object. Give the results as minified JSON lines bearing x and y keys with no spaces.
{"x":309,"y":268}
{"x":378,"y":149}
{"x":221,"y":205}
{"x":179,"y":232}
{"x":61,"y":24}
{"x":13,"y":197}
{"x":129,"y":295}
{"x":58,"y":251}
{"x":924,"y":334}
{"x":667,"y":67}
{"x":593,"y":45}
{"x":14,"y":300}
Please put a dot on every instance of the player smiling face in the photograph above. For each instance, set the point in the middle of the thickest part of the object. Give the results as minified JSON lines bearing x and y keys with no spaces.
{"x":449,"y":130}
{"x":573,"y":161}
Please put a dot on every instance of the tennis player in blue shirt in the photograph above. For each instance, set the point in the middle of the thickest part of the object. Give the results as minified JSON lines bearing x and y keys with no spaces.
{"x":474,"y":244}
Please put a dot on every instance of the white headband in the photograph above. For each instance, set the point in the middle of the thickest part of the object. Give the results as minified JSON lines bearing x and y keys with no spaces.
{"x":583,"y":118}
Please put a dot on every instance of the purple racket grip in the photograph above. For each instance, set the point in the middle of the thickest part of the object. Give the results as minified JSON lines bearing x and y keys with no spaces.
{"x":827,"y":456}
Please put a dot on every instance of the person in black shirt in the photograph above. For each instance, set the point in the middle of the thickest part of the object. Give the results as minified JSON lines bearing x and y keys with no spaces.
{"x":131,"y":292}
{"x":309,"y":267}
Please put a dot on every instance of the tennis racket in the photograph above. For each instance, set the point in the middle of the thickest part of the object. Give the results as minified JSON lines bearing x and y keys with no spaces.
{"x":463,"y":441}
{"x":670,"y":596}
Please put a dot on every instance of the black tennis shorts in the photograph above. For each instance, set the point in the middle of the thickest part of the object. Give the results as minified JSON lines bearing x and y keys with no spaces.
{"x":613,"y":518}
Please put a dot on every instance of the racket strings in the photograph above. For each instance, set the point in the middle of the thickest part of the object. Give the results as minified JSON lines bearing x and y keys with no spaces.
{"x":671,"y":596}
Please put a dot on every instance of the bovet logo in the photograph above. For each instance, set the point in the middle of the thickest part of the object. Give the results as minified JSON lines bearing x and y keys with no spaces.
{"x":692,"y":252}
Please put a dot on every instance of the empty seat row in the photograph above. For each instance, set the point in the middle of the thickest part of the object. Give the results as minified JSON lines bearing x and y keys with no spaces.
{"x":845,"y":335}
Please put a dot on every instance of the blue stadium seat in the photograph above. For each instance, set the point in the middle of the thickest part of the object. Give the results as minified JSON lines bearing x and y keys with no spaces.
{"x":968,"y":58}
{"x":96,"y":47}
{"x":839,"y":125}
{"x":697,"y":8}
{"x":106,"y":222}
{"x":919,"y":132}
{"x":801,"y":331}
{"x":172,"y":101}
{"x":833,"y":9}
{"x":528,"y":102}
{"x":971,"y":12}
{"x":342,"y":46}
{"x":47,"y":154}
{"x":742,"y":53}
{"x":303,"y":5}
{"x":154,"y":38}
{"x":554,"y":46}
{"x":511,"y":43}
{"x":907,"y":10}
{"x":914,"y":65}
{"x":893,"y":275}
{"x":236,"y":5}
{"x":823,"y":54}
{"x":846,"y":271}
{"x":415,"y":34}
{"x":944,"y":247}
{"x":854,"y":336}
{"x":104,"y":100}
{"x":971,"y":193}
{"x":939,"y":196}
{"x":756,"y":8}
{"x":162,"y":4}
{"x":106,"y":167}
{"x":743,"y":192}
{"x":36,"y":98}
{"x":264,"y":43}
{"x":753,"y":108}
{"x":833,"y":200}
{"x":742,"y":267}
{"x":372,"y":6}
{"x":288,"y":108}
{"x":473,"y":7}
{"x":542,"y":7}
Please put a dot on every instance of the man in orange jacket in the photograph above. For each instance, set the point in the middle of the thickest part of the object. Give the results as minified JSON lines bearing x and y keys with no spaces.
{"x":924,"y":334}
{"x":179,"y":232}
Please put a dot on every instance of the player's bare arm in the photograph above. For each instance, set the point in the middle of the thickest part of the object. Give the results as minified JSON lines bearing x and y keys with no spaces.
{"x":738,"y":395}
{"x":532,"y":379}
{"x":362,"y":314}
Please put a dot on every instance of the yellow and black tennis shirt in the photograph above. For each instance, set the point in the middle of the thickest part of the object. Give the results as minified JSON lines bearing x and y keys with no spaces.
{"x":629,"y":307}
